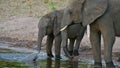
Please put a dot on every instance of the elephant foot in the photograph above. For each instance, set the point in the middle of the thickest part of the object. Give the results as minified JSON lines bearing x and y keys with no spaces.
{"x":71,"y":53}
{"x":57,"y":57}
{"x":110,"y":65}
{"x":97,"y":65}
{"x":35,"y":58}
{"x":75,"y":53}
{"x":50,"y":55}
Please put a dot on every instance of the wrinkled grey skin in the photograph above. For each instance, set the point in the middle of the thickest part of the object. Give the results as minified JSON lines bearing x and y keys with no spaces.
{"x":103,"y":16}
{"x":50,"y":25}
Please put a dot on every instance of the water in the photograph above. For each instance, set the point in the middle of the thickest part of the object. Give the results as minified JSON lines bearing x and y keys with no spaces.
{"x":25,"y":56}
{"x":49,"y":63}
{"x":43,"y":61}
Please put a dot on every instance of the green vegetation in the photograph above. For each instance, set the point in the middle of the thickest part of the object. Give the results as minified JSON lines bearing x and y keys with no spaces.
{"x":52,"y":5}
{"x":11,"y":64}
{"x":8,"y":63}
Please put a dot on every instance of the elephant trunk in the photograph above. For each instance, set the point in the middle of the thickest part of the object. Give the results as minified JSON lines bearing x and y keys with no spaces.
{"x":41,"y":33}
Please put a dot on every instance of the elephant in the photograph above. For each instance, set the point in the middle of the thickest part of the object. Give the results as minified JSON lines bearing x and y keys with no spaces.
{"x":103,"y":16}
{"x":74,"y":32}
{"x":50,"y":25}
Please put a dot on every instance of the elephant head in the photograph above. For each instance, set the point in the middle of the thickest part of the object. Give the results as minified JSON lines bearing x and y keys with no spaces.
{"x":83,"y":11}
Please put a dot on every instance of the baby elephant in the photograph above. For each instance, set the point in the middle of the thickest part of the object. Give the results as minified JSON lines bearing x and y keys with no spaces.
{"x":50,"y":25}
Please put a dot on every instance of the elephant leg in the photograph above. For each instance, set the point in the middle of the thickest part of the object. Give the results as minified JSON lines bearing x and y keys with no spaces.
{"x":64,"y":38}
{"x":109,"y":39}
{"x":49,"y":45}
{"x":78,"y":41}
{"x":57,"y":46}
{"x":70,"y":47}
{"x":64,"y":42}
{"x":76,"y":47}
{"x":95,"y":38}
{"x":108,"y":45}
{"x":107,"y":30}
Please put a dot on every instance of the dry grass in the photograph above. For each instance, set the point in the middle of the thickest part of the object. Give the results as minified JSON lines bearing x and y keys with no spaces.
{"x":10,"y":8}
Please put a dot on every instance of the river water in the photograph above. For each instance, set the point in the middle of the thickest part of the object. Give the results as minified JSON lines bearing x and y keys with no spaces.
{"x":26,"y":56}
{"x":45,"y":62}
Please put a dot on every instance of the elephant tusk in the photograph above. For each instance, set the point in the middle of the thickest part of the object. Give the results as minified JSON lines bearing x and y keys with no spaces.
{"x":64,"y":28}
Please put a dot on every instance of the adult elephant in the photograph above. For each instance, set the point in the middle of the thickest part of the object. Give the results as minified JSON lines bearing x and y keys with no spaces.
{"x":50,"y":25}
{"x":103,"y":16}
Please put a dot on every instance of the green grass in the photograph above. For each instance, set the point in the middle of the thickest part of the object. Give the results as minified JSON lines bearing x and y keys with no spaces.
{"x":11,"y":64}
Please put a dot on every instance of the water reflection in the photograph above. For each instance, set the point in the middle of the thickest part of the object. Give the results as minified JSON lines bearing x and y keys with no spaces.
{"x":73,"y":64}
{"x":49,"y":63}
{"x":58,"y":63}
{"x":36,"y":64}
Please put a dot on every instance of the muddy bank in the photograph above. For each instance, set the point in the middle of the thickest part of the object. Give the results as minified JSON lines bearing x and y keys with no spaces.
{"x":15,"y":42}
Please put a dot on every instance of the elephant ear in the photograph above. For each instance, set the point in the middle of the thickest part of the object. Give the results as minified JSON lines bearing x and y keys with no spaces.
{"x":93,"y":9}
